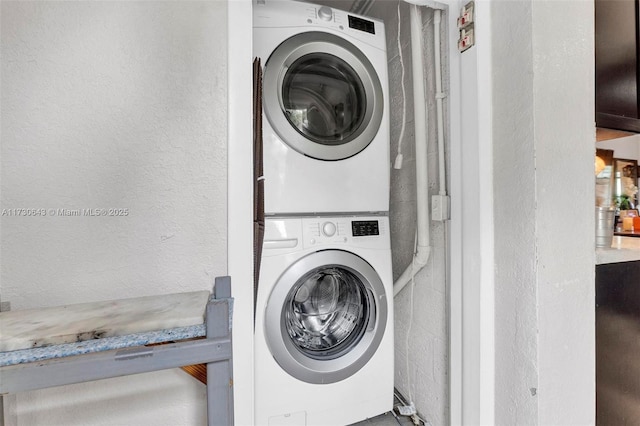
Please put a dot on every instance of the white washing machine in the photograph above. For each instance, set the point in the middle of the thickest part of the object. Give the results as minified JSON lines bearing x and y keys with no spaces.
{"x":324,"y":323}
{"x":325,"y":97}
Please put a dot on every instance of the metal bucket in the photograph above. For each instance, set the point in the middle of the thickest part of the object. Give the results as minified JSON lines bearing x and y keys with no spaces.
{"x":604,"y":226}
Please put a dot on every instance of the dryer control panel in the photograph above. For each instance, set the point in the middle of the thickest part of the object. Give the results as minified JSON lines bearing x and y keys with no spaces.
{"x":311,"y":17}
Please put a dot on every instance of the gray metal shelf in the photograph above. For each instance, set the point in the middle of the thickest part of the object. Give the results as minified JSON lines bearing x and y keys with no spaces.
{"x":215,"y":350}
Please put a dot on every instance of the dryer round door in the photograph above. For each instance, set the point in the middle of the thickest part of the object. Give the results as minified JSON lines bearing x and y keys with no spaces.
{"x":322,"y":96}
{"x":326,"y":316}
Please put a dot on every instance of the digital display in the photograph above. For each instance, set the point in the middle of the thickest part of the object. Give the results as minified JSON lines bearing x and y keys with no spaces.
{"x":364,"y":228}
{"x":361,"y":24}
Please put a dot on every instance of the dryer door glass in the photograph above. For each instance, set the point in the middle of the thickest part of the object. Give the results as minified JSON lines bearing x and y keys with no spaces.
{"x":323,"y":98}
{"x":326,"y":312}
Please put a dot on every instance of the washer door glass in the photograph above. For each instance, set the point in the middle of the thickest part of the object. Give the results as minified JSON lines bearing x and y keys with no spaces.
{"x":322,"y":96}
{"x":326,"y":312}
{"x":326,"y":316}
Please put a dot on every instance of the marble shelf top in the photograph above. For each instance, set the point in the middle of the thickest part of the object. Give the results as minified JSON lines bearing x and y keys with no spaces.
{"x":98,"y":345}
{"x":623,"y":249}
{"x":35,"y":328}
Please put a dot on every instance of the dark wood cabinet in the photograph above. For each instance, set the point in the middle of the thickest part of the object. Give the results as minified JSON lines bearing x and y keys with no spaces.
{"x":617,"y":44}
{"x":618,"y":344}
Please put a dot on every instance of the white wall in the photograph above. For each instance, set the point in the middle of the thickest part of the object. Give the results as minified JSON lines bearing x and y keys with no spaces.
{"x":544,"y":137}
{"x":240,"y":202}
{"x":474,"y":197}
{"x":113,"y":105}
{"x":515,"y":210}
{"x":563,"y":41}
{"x":421,"y":360}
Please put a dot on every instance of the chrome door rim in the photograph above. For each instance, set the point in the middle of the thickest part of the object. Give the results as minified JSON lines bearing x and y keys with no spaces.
{"x":287,"y":354}
{"x":275,"y":69}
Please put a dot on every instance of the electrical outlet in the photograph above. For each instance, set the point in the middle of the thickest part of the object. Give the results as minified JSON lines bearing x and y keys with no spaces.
{"x":466,"y":39}
{"x":466,"y":16}
{"x":465,"y":24}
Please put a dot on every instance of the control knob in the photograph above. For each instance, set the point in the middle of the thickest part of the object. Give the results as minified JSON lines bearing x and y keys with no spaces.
{"x":329,"y":229}
{"x":325,"y":13}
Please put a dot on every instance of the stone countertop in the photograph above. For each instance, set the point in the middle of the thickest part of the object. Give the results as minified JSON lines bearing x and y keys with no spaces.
{"x":635,"y":233}
{"x":623,"y":249}
{"x":98,"y":345}
{"x":88,"y":321}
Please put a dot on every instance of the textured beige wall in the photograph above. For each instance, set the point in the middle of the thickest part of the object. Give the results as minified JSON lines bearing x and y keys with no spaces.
{"x":113,"y":105}
{"x":421,"y":346}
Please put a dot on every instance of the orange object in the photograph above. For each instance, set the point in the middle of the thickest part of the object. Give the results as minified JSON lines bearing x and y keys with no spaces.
{"x":627,"y":224}
{"x":636,"y":224}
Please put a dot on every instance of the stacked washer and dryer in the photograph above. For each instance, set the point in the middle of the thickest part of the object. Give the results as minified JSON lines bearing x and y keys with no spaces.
{"x":324,"y":319}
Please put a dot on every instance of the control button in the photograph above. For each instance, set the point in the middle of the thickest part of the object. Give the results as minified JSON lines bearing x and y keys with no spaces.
{"x":313,"y":241}
{"x":325,"y":13}
{"x":329,"y":229}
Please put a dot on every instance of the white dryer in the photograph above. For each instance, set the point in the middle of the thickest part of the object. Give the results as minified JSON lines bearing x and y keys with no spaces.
{"x":325,"y":97}
{"x":324,"y":323}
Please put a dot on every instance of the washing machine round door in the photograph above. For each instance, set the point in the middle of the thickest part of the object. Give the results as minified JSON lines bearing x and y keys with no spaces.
{"x":326,"y":316}
{"x":322,"y":96}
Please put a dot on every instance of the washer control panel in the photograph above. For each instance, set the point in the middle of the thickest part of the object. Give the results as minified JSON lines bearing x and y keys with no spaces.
{"x":363,"y":231}
{"x":362,"y":24}
{"x":365,"y":228}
